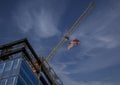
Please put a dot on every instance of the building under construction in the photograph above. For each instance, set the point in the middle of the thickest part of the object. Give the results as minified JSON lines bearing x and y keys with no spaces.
{"x":20,"y":65}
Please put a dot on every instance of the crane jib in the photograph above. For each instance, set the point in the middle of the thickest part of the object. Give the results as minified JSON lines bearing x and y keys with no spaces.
{"x":70,"y":31}
{"x":77,"y":22}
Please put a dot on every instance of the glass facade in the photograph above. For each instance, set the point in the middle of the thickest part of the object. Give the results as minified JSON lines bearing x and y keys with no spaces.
{"x":27,"y":75}
{"x":8,"y":81}
{"x":17,"y":72}
{"x":15,"y":58}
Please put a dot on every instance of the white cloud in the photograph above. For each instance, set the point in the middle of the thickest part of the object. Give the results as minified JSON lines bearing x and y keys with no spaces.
{"x":99,"y":26}
{"x":99,"y":30}
{"x":40,"y":17}
{"x":99,"y":40}
{"x":97,"y":83}
{"x":94,"y":34}
{"x":108,"y":41}
{"x":47,"y":26}
{"x":69,"y":81}
{"x":24,"y":21}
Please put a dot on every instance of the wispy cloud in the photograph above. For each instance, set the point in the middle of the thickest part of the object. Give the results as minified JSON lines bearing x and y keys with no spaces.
{"x":97,"y":83}
{"x":71,"y":81}
{"x":100,"y":38}
{"x":99,"y":47}
{"x":39,"y":16}
{"x":108,"y":41}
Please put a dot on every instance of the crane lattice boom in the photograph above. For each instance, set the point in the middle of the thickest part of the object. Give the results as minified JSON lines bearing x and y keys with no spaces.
{"x":70,"y":31}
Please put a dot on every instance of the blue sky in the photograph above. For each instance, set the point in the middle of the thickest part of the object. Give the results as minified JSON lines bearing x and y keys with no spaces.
{"x":96,"y":61}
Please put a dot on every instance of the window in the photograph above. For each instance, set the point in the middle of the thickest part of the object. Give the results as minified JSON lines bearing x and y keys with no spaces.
{"x":8,"y":66}
{"x":15,"y":64}
{"x":11,"y":81}
{"x":3,"y":82}
{"x":1,"y":67}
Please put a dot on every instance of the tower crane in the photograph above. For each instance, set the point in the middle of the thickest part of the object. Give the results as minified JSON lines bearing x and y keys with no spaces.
{"x":69,"y":32}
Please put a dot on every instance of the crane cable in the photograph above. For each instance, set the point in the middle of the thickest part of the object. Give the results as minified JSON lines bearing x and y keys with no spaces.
{"x":70,"y":31}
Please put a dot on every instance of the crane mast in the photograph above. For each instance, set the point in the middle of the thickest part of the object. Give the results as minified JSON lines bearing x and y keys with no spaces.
{"x":69,"y":32}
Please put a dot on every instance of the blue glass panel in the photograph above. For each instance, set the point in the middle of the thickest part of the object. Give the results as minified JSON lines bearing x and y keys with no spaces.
{"x":20,"y":81}
{"x":3,"y":82}
{"x":27,"y":74}
{"x":1,"y":67}
{"x":16,"y":63}
{"x":8,"y":66}
{"x":17,"y":67}
{"x":11,"y":81}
